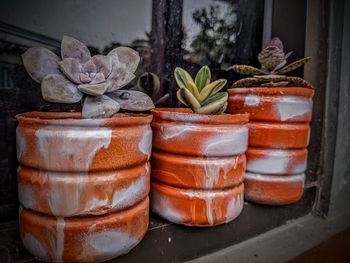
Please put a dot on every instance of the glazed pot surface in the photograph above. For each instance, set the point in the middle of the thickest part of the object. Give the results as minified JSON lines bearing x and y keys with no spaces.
{"x":86,"y":172}
{"x":279,"y":133}
{"x":198,"y":165}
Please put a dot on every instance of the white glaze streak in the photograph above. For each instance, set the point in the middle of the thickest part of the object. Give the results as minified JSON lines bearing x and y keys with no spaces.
{"x":290,"y":107}
{"x":251,"y":100}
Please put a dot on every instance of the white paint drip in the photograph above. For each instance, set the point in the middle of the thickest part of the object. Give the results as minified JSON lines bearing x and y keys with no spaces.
{"x":276,"y":178}
{"x":162,"y":206}
{"x":168,"y":132}
{"x":290,"y":107}
{"x":275,"y":162}
{"x":60,"y":238}
{"x":110,"y":243}
{"x":124,"y":197}
{"x":26,"y":196}
{"x":251,"y":100}
{"x":69,"y":145}
{"x":145,"y":145}
{"x":234,"y":207}
{"x":21,"y":145}
{"x":232,"y":142}
{"x":35,"y":247}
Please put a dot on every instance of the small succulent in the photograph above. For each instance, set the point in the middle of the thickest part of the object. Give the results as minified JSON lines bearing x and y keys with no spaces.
{"x":273,"y":62}
{"x":96,"y":80}
{"x":149,"y":83}
{"x":200,"y":95}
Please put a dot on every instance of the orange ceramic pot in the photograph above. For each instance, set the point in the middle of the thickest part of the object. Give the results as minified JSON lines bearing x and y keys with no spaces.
{"x":83,"y":184}
{"x":278,"y":136}
{"x":198,"y":166}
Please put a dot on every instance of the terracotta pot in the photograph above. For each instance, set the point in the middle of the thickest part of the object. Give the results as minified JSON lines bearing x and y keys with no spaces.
{"x":198,"y":164}
{"x":83,"y":184}
{"x":278,"y":136}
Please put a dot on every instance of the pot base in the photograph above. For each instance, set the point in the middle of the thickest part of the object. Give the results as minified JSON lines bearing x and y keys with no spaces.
{"x":273,"y":189}
{"x":193,"y":207}
{"x":83,"y":239}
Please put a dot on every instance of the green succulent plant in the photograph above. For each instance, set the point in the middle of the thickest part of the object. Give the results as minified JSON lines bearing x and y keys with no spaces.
{"x":201,"y":95}
{"x":273,"y":62}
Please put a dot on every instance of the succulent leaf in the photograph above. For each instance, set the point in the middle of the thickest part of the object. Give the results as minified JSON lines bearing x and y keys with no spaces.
{"x":190,"y":99}
{"x":149,"y":83}
{"x":93,"y":89}
{"x":119,"y":78}
{"x":72,"y":69}
{"x":215,"y":104}
{"x":294,"y":65}
{"x":56,"y":88}
{"x":247,"y":82}
{"x":103,"y":64}
{"x":211,"y":89}
{"x":180,"y":98}
{"x":182,"y":78}
{"x":247,"y":70}
{"x":275,"y":42}
{"x":270,"y":57}
{"x":40,"y":62}
{"x":162,"y":99}
{"x":125,"y":57}
{"x":99,"y":78}
{"x":99,"y":107}
{"x":89,"y":67}
{"x":132,"y":100}
{"x":84,"y":78}
{"x":73,"y":48}
{"x":202,"y":78}
{"x":193,"y":89}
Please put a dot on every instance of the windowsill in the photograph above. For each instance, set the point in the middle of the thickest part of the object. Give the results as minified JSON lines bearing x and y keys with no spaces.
{"x":167,"y":242}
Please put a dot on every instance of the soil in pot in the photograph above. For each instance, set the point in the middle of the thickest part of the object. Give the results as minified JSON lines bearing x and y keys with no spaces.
{"x":83,"y":184}
{"x":278,"y":136}
{"x":198,"y":165}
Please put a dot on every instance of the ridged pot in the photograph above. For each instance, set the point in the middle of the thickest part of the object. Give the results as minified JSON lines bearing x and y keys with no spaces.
{"x":198,"y":165}
{"x":278,"y":136}
{"x":83,"y":184}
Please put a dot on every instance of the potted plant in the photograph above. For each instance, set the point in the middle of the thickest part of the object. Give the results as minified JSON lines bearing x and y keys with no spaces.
{"x":280,"y":109}
{"x":84,"y":178}
{"x":198,"y":159}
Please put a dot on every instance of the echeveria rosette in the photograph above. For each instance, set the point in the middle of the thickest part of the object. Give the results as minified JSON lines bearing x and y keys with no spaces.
{"x":273,"y":62}
{"x":78,"y":73}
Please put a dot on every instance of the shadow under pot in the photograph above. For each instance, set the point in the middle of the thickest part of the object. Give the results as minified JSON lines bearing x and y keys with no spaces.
{"x":198,"y":165}
{"x":278,"y":136}
{"x":83,"y":184}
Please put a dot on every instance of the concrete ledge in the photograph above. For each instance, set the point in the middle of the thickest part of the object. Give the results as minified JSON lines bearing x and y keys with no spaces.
{"x":283,"y":243}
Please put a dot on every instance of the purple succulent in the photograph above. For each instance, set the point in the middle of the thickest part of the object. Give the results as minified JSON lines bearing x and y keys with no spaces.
{"x":98,"y":77}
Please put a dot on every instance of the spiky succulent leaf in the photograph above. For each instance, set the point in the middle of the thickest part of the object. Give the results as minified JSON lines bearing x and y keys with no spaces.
{"x":294,"y":65}
{"x":212,"y":89}
{"x":247,"y":70}
{"x":202,"y":78}
{"x":182,"y":77}
{"x":299,"y":82}
{"x":215,"y":104}
{"x":270,"y":57}
{"x":180,"y":97}
{"x":190,"y":99}
{"x":247,"y":82}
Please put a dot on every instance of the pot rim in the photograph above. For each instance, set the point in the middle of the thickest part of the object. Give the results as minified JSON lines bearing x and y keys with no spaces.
{"x":186,"y":115}
{"x":74,"y":119}
{"x":298,"y":91}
